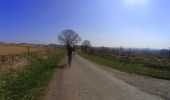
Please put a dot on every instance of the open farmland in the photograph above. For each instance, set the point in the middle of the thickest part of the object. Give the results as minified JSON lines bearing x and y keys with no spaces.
{"x":13,"y":56}
{"x":12,"y":49}
{"x":24,"y":76}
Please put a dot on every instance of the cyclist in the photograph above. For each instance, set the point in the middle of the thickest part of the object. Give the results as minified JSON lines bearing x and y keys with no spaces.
{"x":70,"y":50}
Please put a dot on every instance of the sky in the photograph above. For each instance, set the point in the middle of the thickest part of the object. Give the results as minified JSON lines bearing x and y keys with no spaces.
{"x":112,"y":23}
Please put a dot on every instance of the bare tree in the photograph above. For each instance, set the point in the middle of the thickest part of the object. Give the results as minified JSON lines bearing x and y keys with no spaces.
{"x":68,"y":37}
{"x":86,"y":45}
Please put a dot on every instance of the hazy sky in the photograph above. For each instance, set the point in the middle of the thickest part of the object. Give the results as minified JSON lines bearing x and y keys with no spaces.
{"x":128,"y":23}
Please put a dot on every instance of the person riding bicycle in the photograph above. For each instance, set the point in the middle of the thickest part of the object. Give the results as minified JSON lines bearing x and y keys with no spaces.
{"x":70,"y":50}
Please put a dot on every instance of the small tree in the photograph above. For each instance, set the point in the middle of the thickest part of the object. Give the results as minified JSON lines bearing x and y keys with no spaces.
{"x":86,"y":45}
{"x":69,"y":37}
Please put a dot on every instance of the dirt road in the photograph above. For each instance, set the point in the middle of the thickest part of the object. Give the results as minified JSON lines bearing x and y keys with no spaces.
{"x":88,"y":81}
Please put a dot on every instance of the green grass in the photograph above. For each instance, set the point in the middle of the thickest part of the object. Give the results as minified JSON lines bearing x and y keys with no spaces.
{"x":130,"y":68}
{"x":31,"y":82}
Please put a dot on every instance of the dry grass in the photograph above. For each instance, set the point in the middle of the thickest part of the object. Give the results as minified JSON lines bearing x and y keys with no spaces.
{"x":9,"y":58}
{"x":12,"y":57}
{"x":13,"y":49}
{"x":17,"y":64}
{"x":29,"y":82}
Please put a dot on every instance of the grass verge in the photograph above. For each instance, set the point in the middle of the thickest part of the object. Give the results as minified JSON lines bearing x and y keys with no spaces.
{"x":30,"y":83}
{"x":130,"y":68}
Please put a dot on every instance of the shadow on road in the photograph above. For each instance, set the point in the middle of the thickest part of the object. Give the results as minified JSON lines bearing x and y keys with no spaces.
{"x":63,"y":66}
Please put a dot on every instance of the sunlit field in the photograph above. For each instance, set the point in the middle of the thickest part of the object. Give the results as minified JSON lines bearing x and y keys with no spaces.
{"x":11,"y":49}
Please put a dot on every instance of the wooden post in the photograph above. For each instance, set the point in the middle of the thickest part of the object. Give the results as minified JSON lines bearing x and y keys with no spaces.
{"x":128,"y":56}
{"x":169,"y":54}
{"x":28,"y":48}
{"x":129,"y":53}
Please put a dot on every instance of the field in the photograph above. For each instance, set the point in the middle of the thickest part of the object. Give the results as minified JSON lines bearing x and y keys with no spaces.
{"x":10,"y":56}
{"x":148,"y":67}
{"x":24,"y":76}
{"x":12,"y":49}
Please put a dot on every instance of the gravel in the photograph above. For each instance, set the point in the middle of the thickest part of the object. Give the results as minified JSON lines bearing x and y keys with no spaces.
{"x":89,"y":81}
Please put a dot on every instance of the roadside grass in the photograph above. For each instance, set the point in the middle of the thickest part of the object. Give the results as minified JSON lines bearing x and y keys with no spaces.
{"x":30,"y":83}
{"x":130,"y":68}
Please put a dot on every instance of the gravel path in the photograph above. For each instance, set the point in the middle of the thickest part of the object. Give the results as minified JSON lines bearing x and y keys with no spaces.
{"x":89,"y":81}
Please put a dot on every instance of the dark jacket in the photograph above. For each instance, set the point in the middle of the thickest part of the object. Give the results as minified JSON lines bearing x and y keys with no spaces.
{"x":70,"y":50}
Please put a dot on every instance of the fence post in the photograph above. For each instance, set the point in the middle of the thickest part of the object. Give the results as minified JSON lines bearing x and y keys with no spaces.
{"x":169,"y":54}
{"x":129,"y":53}
{"x":28,"y":48}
